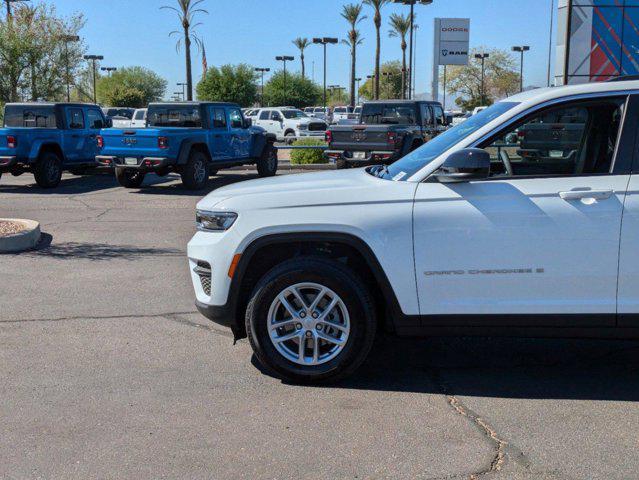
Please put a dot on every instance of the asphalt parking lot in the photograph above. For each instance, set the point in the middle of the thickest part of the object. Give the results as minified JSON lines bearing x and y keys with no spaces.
{"x":107,"y":371}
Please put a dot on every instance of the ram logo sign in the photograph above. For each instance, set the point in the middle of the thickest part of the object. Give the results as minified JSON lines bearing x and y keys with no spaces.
{"x":452,"y":39}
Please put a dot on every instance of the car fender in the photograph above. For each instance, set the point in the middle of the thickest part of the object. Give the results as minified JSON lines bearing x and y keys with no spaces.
{"x":185,"y":150}
{"x":41,"y":143}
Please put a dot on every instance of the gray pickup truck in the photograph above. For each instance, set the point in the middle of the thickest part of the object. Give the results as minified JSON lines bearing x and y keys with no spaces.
{"x":387,"y":130}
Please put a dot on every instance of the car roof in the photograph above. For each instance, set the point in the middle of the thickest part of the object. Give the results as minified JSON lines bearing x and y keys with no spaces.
{"x":544,"y":94}
{"x":50,"y":104}
{"x":402,"y":101}
{"x":195,"y":104}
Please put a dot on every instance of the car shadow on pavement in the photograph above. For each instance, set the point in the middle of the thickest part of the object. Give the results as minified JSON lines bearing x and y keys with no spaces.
{"x":96,"y":251}
{"x":68,"y":185}
{"x":154,"y":188}
{"x":502,"y":367}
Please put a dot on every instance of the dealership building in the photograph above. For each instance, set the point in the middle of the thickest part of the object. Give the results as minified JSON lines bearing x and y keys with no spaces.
{"x":597,"y":40}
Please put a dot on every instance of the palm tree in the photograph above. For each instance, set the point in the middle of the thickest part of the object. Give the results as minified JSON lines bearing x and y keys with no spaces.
{"x":377,"y":19}
{"x":302,"y":43}
{"x":352,"y":13}
{"x":186,"y":11}
{"x":400,"y":26}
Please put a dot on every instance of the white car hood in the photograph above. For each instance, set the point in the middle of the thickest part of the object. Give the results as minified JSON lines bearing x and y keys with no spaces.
{"x":324,"y":188}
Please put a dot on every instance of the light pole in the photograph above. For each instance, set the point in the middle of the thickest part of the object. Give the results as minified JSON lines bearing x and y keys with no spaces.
{"x":262,"y":71}
{"x":357,"y":80}
{"x":412,"y":30}
{"x":552,"y":11}
{"x":179,"y":95}
{"x":522,"y":50}
{"x":335,"y":88}
{"x":325,"y":41}
{"x":482,"y":57}
{"x":68,"y":39}
{"x":9,"y":2}
{"x":93,"y":59}
{"x":108,"y":70}
{"x":284,"y":59}
{"x":183,"y":85}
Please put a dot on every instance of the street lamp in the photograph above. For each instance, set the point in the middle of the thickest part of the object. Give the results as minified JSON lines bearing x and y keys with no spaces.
{"x":325,"y":41}
{"x":482,"y":57}
{"x":183,"y":85}
{"x":522,"y":50}
{"x":68,"y":39}
{"x":284,"y":59}
{"x":93,"y":59}
{"x":412,"y":4}
{"x":262,"y":71}
{"x":108,"y":69}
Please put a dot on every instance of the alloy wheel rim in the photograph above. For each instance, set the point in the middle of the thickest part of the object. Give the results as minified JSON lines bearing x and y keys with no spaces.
{"x":308,"y":324}
{"x":200,"y":171}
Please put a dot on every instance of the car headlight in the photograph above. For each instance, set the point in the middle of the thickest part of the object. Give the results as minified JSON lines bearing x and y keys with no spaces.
{"x":214,"y":221}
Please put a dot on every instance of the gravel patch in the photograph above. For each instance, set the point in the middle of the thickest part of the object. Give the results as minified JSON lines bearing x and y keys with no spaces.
{"x":10,"y":228}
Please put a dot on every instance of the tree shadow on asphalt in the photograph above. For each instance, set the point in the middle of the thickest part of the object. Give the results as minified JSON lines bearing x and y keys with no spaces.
{"x":151,"y":187}
{"x":501,"y":367}
{"x":96,"y":251}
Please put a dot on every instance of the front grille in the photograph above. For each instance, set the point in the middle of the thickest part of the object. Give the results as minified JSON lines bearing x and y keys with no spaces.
{"x":203,"y":270}
{"x":316,"y":127}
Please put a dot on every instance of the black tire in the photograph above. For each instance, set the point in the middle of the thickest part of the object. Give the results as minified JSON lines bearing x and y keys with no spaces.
{"x":195,"y":174}
{"x":267,"y":163}
{"x":48,"y":170}
{"x":341,"y":164}
{"x":129,"y":178}
{"x":212,"y":172}
{"x":354,"y":295}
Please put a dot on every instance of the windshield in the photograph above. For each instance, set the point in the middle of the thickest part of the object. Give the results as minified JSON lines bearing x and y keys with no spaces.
{"x":293,"y":114}
{"x":404,"y":168}
{"x":389,"y":114}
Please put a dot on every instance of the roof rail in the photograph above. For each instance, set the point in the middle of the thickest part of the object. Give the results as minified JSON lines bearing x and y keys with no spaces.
{"x":623,"y":78}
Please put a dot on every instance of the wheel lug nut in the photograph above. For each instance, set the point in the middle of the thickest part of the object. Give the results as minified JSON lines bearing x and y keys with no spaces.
{"x":309,"y":334}
{"x":315,"y":314}
{"x":298,"y":326}
{"x":319,"y":328}
{"x":302,"y":314}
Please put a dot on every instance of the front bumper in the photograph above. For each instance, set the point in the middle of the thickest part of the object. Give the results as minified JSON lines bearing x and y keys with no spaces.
{"x":375,"y":157}
{"x":220,"y":314}
{"x":142,"y":163}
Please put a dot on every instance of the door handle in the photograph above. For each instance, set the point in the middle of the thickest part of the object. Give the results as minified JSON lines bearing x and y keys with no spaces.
{"x":581,"y":194}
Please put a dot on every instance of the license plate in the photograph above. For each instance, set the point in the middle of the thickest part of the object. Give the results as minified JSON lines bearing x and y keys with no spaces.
{"x":130,"y":161}
{"x":556,"y":153}
{"x":359,"y":155}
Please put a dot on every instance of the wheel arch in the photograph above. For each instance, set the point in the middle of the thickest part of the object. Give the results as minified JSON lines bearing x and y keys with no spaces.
{"x":48,"y":147}
{"x":267,"y":251}
{"x":188,"y":146}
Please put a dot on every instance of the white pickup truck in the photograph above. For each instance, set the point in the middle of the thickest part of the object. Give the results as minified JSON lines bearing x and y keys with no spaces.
{"x":288,"y":124}
{"x":465,"y":235}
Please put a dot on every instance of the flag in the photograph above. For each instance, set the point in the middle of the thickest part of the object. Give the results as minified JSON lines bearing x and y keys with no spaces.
{"x":205,"y":65}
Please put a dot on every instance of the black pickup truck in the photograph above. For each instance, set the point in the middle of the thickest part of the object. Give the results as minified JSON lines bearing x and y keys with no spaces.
{"x":387,"y":130}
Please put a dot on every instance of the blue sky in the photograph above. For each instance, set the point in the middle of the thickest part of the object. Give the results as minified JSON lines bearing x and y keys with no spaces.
{"x":135,"y":32}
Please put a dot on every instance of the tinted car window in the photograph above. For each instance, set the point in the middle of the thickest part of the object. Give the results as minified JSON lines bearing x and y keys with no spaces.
{"x":31,"y":117}
{"x":174,"y":116}
{"x":139,"y":115}
{"x":427,"y":114}
{"x":293,"y":114}
{"x":439,"y":114}
{"x":265,"y":114}
{"x":95,"y":120}
{"x":237,"y":121}
{"x":388,"y":114}
{"x":75,"y":118}
{"x":219,"y":118}
{"x":120,"y":112}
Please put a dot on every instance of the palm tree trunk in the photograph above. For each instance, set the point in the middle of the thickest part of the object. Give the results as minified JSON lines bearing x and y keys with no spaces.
{"x":403,"y":70}
{"x":378,"y":53}
{"x":189,"y":73}
{"x":353,"y":72}
{"x":303,"y":66}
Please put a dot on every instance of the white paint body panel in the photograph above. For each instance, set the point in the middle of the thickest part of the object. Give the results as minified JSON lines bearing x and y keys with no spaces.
{"x":570,"y":246}
{"x":628,"y":296}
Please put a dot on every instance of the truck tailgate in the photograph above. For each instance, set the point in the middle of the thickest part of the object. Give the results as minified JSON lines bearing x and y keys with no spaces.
{"x":134,"y":142}
{"x":360,"y":137}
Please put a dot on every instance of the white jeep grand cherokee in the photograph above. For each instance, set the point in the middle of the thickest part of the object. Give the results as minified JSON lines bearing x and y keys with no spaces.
{"x":523,"y":220}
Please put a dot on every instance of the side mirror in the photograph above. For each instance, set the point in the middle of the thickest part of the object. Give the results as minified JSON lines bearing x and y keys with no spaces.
{"x":464,"y":165}
{"x":109,"y":123}
{"x":248,"y":122}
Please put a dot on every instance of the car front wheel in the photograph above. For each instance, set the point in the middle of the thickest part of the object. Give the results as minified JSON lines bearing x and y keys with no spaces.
{"x":311,"y":320}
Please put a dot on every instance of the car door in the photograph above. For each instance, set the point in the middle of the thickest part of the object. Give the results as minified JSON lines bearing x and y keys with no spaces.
{"x":220,"y":134}
{"x":76,"y":135}
{"x":427,"y":121}
{"x":264,"y":121}
{"x":277,"y":123}
{"x":535,"y":244}
{"x":95,"y":123}
{"x":240,"y":144}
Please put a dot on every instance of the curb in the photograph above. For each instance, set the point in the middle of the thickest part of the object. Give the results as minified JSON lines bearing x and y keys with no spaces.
{"x":22,"y":241}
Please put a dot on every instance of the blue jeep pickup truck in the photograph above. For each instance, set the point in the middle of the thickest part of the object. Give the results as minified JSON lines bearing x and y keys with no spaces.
{"x":194,"y":139}
{"x":47,"y":138}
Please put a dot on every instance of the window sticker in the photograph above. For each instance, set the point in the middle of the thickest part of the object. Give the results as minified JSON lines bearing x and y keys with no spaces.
{"x":399,"y":176}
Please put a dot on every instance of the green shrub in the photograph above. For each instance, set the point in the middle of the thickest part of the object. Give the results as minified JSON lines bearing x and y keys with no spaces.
{"x":310,"y":156}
